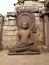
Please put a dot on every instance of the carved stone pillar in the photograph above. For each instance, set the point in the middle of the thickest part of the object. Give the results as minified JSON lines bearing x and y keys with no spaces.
{"x":1,"y":23}
{"x":46,"y":30}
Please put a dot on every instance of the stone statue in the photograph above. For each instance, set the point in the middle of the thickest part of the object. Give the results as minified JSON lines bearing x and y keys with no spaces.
{"x":25,"y":39}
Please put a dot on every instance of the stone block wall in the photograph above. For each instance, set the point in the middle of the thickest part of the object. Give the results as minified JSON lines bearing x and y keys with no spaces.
{"x":9,"y":33}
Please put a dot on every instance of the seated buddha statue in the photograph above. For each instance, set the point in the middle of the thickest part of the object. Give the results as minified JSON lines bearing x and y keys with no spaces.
{"x":25,"y":42}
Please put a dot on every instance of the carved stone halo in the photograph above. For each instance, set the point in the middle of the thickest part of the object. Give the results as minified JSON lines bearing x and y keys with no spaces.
{"x":26,"y":16}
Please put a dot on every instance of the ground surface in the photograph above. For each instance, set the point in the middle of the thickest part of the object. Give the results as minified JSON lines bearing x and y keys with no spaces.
{"x":42,"y":59}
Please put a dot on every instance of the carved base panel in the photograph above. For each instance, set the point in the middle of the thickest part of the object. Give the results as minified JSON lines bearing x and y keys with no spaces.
{"x":24,"y":53}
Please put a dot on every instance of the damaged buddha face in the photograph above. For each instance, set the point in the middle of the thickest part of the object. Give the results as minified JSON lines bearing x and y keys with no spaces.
{"x":24,"y":22}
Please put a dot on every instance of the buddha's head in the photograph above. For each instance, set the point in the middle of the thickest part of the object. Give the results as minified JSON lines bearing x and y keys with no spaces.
{"x":25,"y":20}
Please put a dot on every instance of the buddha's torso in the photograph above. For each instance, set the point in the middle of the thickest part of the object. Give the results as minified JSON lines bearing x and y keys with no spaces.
{"x":24,"y":35}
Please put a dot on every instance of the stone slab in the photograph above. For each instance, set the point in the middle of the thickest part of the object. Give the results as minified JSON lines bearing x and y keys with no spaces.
{"x":41,"y":59}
